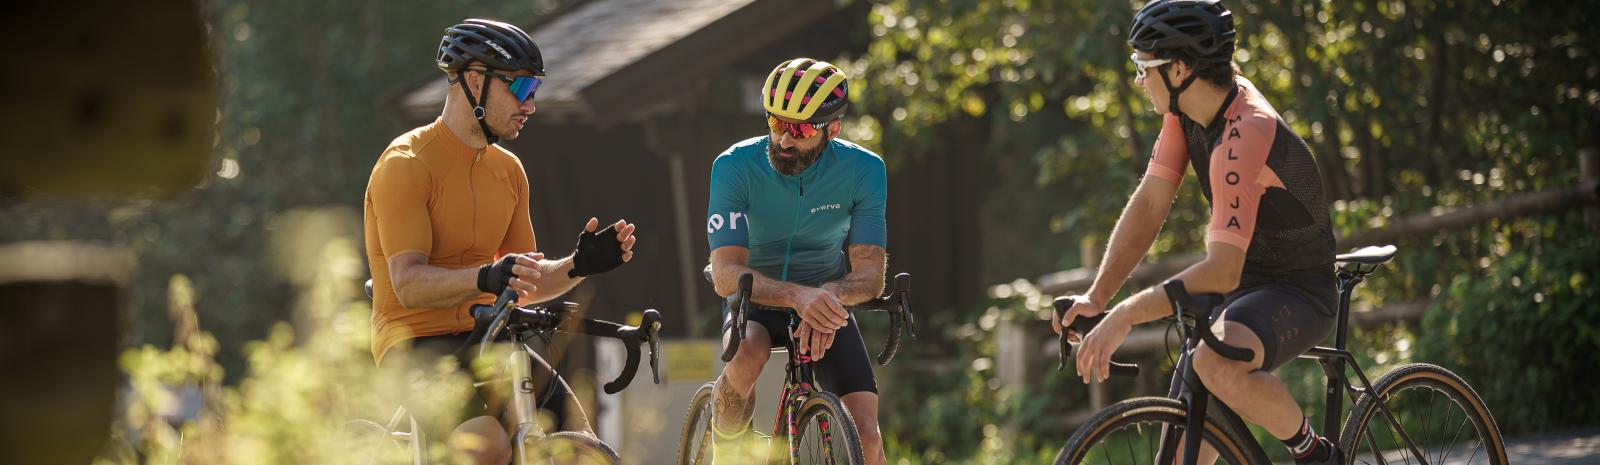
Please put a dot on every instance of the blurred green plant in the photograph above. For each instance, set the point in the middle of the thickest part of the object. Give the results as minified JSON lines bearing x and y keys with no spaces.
{"x":1526,"y":333}
{"x":297,"y":400}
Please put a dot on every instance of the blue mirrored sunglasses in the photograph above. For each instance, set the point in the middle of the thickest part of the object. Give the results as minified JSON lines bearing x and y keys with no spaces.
{"x":522,"y":87}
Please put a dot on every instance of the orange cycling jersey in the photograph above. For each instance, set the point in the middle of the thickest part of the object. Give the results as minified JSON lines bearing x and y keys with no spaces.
{"x":461,"y":207}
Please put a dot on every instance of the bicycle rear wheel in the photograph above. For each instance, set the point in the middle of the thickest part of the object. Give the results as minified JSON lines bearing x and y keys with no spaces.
{"x":1441,"y":414}
{"x":827,"y":433}
{"x":694,"y":444}
{"x":569,"y":448}
{"x":1131,"y":432}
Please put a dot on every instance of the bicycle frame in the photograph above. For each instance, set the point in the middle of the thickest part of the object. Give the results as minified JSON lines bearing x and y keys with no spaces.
{"x":1334,"y":361}
{"x":799,"y":383}
{"x":537,"y":323}
{"x":523,"y":397}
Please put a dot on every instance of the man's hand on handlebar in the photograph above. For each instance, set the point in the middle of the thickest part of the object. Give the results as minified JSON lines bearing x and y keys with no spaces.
{"x":814,"y":341}
{"x":821,"y":308}
{"x":1094,"y":354}
{"x":1081,"y":306}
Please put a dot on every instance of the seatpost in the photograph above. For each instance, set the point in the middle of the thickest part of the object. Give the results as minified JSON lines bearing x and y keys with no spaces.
{"x":1347,"y":283}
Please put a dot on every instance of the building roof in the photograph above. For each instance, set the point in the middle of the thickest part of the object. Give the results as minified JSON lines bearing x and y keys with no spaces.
{"x":597,"y":40}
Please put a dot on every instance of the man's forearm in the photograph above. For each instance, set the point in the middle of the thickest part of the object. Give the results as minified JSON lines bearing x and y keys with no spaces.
{"x":857,"y":287}
{"x":1136,"y":230}
{"x":865,"y":280}
{"x":766,"y":291}
{"x":424,"y":286}
{"x":1218,"y":273}
{"x":1145,"y":306}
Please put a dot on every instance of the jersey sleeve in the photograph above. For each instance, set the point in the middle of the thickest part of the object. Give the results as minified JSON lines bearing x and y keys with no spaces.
{"x":1239,"y":177}
{"x":1171,"y":152}
{"x":519,"y":236}
{"x":867,"y":223}
{"x":727,"y":221}
{"x":399,"y":191}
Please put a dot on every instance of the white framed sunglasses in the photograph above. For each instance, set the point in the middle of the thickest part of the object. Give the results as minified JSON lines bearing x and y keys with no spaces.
{"x":1140,"y":66}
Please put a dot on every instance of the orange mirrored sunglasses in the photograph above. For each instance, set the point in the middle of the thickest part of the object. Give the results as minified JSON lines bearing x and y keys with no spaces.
{"x":798,"y":130}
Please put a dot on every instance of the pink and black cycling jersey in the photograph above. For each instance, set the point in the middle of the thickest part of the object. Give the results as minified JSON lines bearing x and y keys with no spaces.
{"x":1265,"y":191}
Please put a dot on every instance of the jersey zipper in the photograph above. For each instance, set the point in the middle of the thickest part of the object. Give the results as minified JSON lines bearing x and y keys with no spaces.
{"x":473,"y":189}
{"x":794,"y":228}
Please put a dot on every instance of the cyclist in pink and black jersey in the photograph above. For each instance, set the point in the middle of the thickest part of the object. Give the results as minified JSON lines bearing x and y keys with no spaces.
{"x":1270,"y":246}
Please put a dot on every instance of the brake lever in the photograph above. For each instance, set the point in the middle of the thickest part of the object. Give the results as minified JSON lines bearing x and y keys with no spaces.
{"x":652,"y":334}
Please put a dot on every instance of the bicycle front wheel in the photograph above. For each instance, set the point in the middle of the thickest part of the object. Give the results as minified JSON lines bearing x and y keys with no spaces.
{"x":694,"y":445}
{"x":1442,"y":416}
{"x":1136,"y":431}
{"x":569,"y":448}
{"x":827,"y":433}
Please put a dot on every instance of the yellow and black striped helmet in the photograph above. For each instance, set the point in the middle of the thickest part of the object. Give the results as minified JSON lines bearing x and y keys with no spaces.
{"x":806,"y":90}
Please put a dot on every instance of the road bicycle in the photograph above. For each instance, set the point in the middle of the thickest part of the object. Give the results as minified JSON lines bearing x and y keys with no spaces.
{"x":811,"y":421}
{"x":1416,"y":413}
{"x":520,"y":326}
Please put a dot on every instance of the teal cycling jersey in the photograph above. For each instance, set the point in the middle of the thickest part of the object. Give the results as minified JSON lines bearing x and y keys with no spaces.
{"x":797,"y":227}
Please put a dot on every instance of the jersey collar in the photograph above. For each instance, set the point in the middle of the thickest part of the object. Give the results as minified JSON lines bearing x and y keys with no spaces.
{"x":446,"y":140}
{"x":1222,"y":110}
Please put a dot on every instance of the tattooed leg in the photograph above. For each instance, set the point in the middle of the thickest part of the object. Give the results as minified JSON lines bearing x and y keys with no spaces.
{"x":734,"y":397}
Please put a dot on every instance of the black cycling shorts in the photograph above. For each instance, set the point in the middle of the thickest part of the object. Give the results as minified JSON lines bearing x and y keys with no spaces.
{"x":465,"y":350}
{"x":845,"y":368}
{"x":1287,"y":320}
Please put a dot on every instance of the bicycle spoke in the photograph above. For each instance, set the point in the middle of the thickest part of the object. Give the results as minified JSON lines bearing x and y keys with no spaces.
{"x":1372,"y":442}
{"x":1131,"y":455}
{"x":1446,"y":455}
{"x":1475,"y":451}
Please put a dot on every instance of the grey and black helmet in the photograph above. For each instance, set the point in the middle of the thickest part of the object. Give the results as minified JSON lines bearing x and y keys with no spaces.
{"x":1203,"y":28}
{"x":495,"y":44}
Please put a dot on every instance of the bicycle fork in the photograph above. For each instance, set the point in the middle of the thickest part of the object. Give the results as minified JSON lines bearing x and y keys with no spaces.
{"x":1194,"y":423}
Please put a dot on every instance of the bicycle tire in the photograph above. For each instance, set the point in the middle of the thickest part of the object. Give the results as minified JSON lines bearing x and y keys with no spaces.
{"x":570,"y":448}
{"x":1157,"y":412}
{"x":827,"y":410}
{"x":694,"y":441}
{"x":1394,"y":388}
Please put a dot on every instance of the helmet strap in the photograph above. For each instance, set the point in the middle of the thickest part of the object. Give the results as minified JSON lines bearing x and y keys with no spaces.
{"x":478,"y":104}
{"x":1173,"y":92}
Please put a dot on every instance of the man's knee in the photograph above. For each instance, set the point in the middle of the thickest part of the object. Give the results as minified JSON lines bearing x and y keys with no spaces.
{"x":1219,"y":373}
{"x":482,"y":440}
{"x":753,"y":354}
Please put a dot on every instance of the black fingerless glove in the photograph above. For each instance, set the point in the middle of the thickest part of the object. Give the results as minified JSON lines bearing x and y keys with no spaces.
{"x":598,"y":252}
{"x":494,"y":277}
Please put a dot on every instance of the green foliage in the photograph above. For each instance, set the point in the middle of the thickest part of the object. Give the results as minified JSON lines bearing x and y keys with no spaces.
{"x":961,"y":413}
{"x":297,"y":400}
{"x":1405,"y":103}
{"x":1525,"y":332}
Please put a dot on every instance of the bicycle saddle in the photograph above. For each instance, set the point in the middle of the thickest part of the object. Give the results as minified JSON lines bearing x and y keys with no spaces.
{"x":1369,"y":255}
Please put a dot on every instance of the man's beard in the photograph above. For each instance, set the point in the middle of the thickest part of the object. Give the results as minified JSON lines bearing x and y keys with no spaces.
{"x":796,"y":162}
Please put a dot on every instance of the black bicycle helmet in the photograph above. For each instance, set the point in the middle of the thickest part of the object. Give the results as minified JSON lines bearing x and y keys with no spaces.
{"x":1202,"y":27}
{"x":495,"y":44}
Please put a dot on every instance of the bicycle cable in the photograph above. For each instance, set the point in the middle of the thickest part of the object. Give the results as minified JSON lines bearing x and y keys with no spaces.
{"x":550,"y":387}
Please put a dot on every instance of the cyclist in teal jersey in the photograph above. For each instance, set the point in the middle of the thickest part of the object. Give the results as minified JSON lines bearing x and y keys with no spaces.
{"x":804,"y":212}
